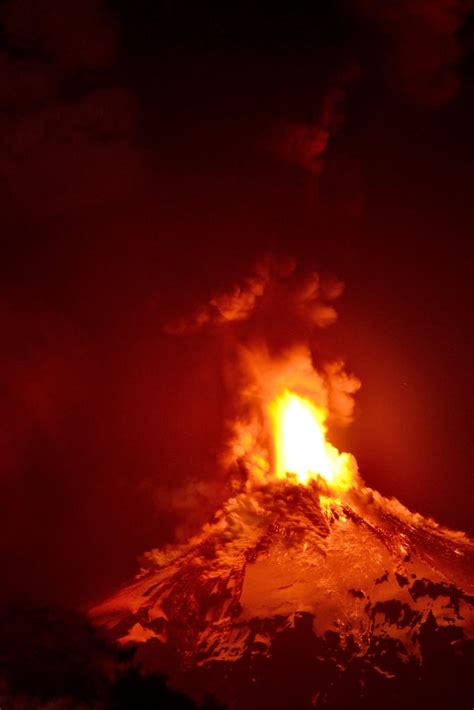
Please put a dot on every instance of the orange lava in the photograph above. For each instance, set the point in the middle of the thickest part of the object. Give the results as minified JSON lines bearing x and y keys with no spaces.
{"x":301,"y":449}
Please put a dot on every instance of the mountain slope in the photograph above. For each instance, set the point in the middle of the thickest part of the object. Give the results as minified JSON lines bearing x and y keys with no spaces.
{"x":294,"y":598}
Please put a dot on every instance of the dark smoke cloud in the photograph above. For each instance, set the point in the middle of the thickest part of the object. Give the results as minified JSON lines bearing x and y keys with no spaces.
{"x":66,"y":123}
{"x":414,"y":47}
{"x":276,"y":295}
{"x":304,"y":143}
{"x":40,"y":355}
{"x":421,"y":43}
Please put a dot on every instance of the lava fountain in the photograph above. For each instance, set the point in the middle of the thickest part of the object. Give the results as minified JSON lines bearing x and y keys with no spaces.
{"x":301,"y":449}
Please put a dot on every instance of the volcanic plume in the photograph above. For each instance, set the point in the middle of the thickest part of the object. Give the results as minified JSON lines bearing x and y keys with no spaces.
{"x":307,"y":588}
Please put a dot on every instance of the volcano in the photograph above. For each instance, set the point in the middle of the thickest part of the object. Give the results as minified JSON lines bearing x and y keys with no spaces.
{"x":307,"y":588}
{"x":293,"y":598}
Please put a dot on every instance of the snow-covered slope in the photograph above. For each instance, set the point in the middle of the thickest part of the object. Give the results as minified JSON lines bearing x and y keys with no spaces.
{"x":301,"y":599}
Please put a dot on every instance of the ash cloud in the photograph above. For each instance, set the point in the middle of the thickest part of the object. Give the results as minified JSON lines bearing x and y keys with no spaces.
{"x":276,"y":294}
{"x":66,"y":123}
{"x":269,"y":325}
{"x":40,"y":354}
{"x":422,"y":46}
{"x":415,"y":48}
{"x":305,"y":142}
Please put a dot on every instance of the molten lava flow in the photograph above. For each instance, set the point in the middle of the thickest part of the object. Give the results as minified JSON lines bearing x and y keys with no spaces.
{"x":301,"y":449}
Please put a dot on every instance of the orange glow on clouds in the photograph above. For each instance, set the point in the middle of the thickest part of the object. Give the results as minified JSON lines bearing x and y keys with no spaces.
{"x":301,"y":448}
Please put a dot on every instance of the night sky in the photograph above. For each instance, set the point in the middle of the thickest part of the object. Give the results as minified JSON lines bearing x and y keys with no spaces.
{"x":149,"y":154}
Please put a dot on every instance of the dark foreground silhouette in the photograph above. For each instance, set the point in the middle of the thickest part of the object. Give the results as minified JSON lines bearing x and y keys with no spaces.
{"x":53,"y":659}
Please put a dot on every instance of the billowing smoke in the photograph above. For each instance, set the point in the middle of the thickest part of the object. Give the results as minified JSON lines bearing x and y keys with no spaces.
{"x":275,"y":295}
{"x":269,"y":327}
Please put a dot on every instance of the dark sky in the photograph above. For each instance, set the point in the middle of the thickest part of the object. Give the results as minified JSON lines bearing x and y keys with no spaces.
{"x":149,"y":153}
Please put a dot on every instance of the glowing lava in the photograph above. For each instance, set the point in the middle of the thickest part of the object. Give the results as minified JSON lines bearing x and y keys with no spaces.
{"x":301,"y":449}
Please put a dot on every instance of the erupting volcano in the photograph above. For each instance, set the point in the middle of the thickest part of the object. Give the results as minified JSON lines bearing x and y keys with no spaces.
{"x":307,"y":589}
